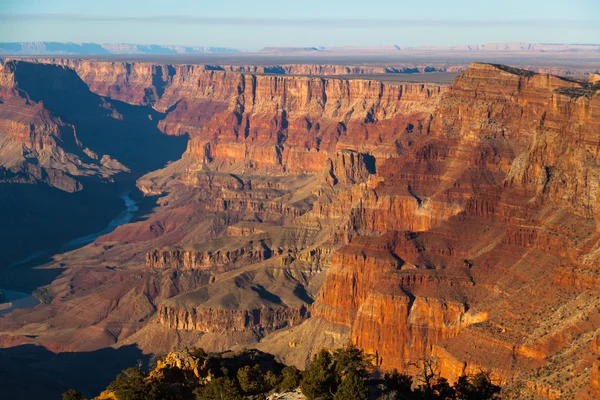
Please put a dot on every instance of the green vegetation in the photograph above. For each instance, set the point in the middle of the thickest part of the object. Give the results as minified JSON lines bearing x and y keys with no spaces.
{"x":290,"y":379}
{"x":43,"y":295}
{"x":352,"y":387}
{"x":253,"y":380}
{"x":72,"y":395}
{"x":514,"y":71}
{"x":397,"y":382}
{"x":352,"y":359}
{"x":476,"y":387}
{"x":343,"y":374}
{"x":220,"y":389}
{"x":586,"y":90}
{"x":130,"y":385}
{"x":319,"y":380}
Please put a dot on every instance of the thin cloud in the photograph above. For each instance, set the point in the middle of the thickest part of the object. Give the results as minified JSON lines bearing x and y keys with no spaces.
{"x":291,"y":22}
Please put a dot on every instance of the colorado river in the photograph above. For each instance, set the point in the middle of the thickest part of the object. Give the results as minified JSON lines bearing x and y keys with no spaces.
{"x":124,"y":217}
{"x":16,"y":300}
{"x":25,"y":300}
{"x":121,"y":219}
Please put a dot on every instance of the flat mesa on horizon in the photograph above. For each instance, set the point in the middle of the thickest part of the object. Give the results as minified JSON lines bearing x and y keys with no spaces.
{"x":64,"y":48}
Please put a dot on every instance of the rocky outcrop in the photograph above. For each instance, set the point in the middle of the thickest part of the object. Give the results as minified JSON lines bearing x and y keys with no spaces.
{"x":219,"y":259}
{"x":182,"y":360}
{"x":595,"y":379}
{"x":261,"y":320}
{"x":296,"y":124}
{"x":516,"y":177}
{"x":37,"y":145}
{"x":52,"y":123}
{"x":594,"y":387}
{"x":348,"y":167}
{"x":394,"y":308}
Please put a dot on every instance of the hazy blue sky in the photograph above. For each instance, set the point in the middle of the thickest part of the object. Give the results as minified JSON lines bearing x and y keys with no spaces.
{"x":253,"y":24}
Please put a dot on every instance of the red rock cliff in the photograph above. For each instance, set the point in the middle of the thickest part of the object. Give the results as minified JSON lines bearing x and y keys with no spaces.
{"x":508,"y":176}
{"x":455,"y":223}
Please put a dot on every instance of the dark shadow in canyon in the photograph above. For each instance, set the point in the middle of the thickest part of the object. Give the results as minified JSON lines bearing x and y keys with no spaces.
{"x":370,"y":164}
{"x":49,"y":206}
{"x":126,"y":132}
{"x":266,"y":295}
{"x":38,"y":217}
{"x":33,"y":372}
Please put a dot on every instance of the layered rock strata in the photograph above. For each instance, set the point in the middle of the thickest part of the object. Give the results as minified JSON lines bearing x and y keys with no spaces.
{"x":453,"y":223}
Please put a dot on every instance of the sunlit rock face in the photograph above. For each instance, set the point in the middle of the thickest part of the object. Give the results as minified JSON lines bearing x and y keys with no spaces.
{"x":458,"y":223}
{"x":505,"y":202}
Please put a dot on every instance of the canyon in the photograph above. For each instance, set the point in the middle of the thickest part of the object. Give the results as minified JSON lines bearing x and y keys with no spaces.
{"x":457,"y":223}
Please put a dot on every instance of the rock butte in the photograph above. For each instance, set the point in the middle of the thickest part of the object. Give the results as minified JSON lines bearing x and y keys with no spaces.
{"x":454,"y":222}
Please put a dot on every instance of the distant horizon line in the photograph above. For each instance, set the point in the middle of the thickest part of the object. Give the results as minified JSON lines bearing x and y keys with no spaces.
{"x":229,"y":49}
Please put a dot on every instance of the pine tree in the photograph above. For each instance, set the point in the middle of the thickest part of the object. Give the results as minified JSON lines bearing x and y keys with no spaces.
{"x":130,"y":385}
{"x":320,"y":380}
{"x":220,"y":389}
{"x":353,"y":387}
{"x":351,"y":358}
{"x":72,"y":394}
{"x":251,"y":379}
{"x":291,"y":378}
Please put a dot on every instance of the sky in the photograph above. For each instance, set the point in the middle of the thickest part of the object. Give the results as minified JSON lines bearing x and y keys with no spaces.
{"x":253,"y":24}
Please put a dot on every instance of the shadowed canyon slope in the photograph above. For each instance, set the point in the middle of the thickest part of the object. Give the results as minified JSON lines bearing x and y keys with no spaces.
{"x":63,"y":149}
{"x":454,"y":222}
